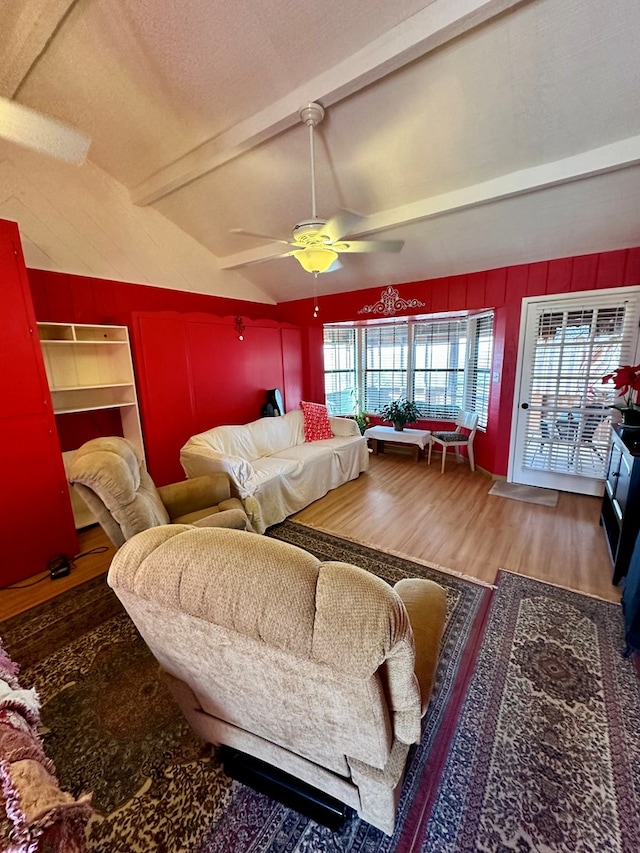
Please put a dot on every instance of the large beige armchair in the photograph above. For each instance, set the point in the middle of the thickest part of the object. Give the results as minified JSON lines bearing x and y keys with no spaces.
{"x":318,"y":668}
{"x":113,"y":481}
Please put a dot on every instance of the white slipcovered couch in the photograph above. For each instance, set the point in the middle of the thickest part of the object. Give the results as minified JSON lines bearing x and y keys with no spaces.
{"x":274,"y":471}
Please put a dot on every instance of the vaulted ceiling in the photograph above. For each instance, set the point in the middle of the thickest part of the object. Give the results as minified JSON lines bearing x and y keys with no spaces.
{"x":480,"y":132}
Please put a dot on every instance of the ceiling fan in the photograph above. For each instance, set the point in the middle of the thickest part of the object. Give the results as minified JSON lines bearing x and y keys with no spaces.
{"x":34,"y":130}
{"x":316,"y":243}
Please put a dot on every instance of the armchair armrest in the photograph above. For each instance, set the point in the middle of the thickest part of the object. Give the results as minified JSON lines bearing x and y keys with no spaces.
{"x":236,"y":519}
{"x":197,"y":461}
{"x":192,"y":495}
{"x":426,"y":605}
{"x":343,"y":426}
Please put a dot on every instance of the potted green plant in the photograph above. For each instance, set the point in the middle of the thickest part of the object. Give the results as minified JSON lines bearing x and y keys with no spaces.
{"x":358,"y":415}
{"x":362,"y":420}
{"x":626,"y":381}
{"x":400,"y":412}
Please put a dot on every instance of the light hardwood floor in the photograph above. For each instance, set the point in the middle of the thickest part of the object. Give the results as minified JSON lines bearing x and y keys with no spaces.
{"x":448,"y":519}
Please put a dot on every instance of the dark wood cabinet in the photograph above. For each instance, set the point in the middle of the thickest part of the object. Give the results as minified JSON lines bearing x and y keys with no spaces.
{"x":620,"y":516}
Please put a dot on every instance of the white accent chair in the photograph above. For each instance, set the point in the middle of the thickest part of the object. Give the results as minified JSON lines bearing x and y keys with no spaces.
{"x":457,"y":439}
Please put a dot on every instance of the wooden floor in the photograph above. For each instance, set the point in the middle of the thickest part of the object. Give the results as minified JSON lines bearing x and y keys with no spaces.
{"x":31,"y":591}
{"x":449,"y":519}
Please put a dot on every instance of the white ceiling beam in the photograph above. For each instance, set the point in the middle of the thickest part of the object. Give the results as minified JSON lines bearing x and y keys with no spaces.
{"x":608,"y":158}
{"x":431,"y":27}
{"x":27,"y":29}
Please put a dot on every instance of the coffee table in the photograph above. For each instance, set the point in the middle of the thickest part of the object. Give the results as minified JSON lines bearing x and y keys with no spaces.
{"x":381,"y":435}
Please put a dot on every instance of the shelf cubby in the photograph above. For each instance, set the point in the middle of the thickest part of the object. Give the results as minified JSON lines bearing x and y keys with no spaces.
{"x":89,"y":368}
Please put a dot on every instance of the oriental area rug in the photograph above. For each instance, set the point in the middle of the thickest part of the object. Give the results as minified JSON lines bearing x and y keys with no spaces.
{"x":530,"y":742}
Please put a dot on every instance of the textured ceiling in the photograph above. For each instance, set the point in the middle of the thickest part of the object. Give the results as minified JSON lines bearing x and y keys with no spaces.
{"x":481,"y":132}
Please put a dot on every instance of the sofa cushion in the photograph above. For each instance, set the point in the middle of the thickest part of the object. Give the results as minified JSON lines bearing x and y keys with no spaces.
{"x":316,"y":422}
{"x":308,"y":452}
{"x":272,"y":435}
{"x":273,"y":466}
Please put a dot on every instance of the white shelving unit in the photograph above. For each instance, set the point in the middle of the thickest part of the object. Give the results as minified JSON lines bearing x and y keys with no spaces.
{"x":89,"y":368}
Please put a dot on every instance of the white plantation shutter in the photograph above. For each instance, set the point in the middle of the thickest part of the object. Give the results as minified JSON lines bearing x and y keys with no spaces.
{"x":573,"y":343}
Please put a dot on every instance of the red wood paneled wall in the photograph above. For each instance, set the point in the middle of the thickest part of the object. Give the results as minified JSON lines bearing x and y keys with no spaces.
{"x":502,"y":289}
{"x":195,"y":373}
{"x":72,"y":298}
{"x":35,"y":513}
{"x":192,"y":372}
{"x":61,"y":298}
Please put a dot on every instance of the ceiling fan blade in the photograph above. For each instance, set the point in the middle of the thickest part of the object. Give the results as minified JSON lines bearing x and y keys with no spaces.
{"x":260,"y":236}
{"x":32,"y":129}
{"x":249,"y":263}
{"x":369,"y":246}
{"x":341,"y":223}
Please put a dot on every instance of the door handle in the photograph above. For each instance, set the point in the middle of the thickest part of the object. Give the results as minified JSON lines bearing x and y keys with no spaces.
{"x":524,"y":405}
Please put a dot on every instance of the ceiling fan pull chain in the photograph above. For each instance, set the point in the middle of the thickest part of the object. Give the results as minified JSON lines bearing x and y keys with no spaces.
{"x":316,"y":309}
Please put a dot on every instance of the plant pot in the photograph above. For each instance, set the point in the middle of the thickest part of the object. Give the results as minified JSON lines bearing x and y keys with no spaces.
{"x":398,"y":426}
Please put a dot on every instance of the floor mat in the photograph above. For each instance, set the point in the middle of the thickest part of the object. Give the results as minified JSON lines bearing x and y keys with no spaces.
{"x":529,"y":494}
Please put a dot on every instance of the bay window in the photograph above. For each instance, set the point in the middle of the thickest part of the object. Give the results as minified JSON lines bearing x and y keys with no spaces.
{"x":443,"y":364}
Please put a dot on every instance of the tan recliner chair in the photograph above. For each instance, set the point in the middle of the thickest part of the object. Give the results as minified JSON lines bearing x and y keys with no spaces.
{"x":114,"y":483}
{"x":318,"y":668}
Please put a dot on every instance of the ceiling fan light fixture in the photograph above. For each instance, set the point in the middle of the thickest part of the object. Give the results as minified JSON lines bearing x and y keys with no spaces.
{"x":316,"y":243}
{"x":315,"y":259}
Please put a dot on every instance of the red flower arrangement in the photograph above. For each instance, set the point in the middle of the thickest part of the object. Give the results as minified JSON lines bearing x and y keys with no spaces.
{"x":626,"y":381}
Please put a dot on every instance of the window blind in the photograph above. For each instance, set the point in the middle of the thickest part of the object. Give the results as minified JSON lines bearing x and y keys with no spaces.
{"x":340,"y":385}
{"x":385,"y":370}
{"x":439,"y":367}
{"x":478,"y":376}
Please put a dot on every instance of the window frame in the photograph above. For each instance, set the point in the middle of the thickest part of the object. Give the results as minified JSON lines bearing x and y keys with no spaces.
{"x":337,"y":386}
{"x":473,"y":328}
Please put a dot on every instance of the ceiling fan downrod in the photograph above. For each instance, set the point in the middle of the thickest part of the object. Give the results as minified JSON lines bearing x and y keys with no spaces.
{"x":312,"y":115}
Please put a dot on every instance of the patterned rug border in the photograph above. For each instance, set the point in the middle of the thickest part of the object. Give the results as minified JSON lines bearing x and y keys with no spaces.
{"x":424,"y":798}
{"x":554,"y":585}
{"x":93,"y":604}
{"x":402,"y":555}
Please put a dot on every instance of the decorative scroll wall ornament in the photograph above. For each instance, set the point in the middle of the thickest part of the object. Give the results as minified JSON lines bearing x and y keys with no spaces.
{"x":389,"y":303}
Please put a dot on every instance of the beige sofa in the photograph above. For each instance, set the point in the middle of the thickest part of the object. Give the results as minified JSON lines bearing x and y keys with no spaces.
{"x":318,"y":668}
{"x":273,"y":470}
